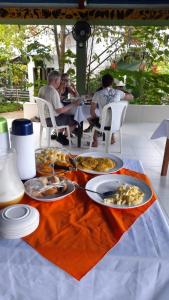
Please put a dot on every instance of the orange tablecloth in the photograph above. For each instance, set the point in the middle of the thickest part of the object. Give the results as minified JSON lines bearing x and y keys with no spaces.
{"x":75,"y":232}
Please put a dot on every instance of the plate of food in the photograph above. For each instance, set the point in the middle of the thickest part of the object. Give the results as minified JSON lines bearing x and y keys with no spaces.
{"x":48,"y":188}
{"x":127,"y":191}
{"x":98,"y":163}
{"x":52,"y":160}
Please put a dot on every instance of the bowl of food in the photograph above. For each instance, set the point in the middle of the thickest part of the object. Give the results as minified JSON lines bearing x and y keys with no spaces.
{"x":127,"y":191}
{"x":48,"y":188}
{"x":52,"y":161}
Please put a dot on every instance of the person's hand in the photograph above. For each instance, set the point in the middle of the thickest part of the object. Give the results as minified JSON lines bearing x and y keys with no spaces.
{"x":72,"y":85}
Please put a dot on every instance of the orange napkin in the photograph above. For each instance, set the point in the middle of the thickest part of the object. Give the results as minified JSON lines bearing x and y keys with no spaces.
{"x":75,"y":232}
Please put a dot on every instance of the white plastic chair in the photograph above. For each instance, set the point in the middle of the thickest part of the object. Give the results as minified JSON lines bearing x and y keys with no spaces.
{"x":115,"y":112}
{"x":42,"y":104}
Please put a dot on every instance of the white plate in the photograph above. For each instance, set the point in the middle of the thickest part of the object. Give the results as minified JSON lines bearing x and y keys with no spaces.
{"x":106,"y":183}
{"x":118,"y":161}
{"x":50,"y":198}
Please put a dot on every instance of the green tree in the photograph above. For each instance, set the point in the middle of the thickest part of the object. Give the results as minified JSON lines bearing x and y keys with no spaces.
{"x":12,"y":43}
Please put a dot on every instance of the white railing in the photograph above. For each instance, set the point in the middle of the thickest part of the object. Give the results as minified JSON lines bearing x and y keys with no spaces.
{"x":15,"y":94}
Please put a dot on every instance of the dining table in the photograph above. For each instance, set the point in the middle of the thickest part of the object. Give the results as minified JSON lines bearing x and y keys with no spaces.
{"x":113,"y":260}
{"x":163,"y":131}
{"x":81,"y":113}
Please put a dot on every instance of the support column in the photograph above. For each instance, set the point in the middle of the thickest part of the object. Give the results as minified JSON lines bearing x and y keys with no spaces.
{"x":31,"y":79}
{"x":81,"y":62}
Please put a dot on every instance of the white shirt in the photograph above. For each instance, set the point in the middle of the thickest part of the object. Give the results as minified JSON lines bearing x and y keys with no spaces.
{"x":106,"y":96}
{"x":50,"y":94}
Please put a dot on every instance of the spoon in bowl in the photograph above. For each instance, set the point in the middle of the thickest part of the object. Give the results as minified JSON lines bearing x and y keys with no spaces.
{"x":102,"y":195}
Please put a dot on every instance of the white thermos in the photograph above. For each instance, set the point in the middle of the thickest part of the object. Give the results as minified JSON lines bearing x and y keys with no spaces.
{"x":4,"y":136}
{"x":22,"y":139}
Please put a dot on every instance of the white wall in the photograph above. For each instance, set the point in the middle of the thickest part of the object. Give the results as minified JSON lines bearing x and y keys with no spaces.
{"x":146,"y":113}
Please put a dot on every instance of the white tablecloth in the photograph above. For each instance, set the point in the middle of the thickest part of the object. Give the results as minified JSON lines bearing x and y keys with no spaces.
{"x":82,"y":113}
{"x":162,"y":130}
{"x":137,"y":268}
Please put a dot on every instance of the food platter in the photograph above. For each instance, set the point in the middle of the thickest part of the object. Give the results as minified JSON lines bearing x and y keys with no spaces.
{"x":105,"y":183}
{"x":46,"y":190}
{"x":52,"y":160}
{"x":118,"y":163}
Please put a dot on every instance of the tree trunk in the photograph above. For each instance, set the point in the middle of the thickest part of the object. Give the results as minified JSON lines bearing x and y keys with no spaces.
{"x":60,"y":47}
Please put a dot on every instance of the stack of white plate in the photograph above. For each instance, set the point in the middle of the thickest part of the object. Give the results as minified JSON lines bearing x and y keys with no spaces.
{"x":17,"y":221}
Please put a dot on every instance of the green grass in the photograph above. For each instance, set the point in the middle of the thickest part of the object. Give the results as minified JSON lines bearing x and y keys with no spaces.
{"x":9,"y":107}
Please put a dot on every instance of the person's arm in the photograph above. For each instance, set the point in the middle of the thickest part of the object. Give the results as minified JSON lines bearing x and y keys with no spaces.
{"x":128,"y":97}
{"x":72,"y":90}
{"x":68,"y":107}
{"x":58,"y":106}
{"x":125,"y":96}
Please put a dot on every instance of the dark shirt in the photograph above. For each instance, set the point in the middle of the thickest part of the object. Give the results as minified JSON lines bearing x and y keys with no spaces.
{"x":64,"y":95}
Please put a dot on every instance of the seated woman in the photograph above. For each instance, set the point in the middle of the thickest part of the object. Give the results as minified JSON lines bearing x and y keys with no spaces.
{"x":105,"y":96}
{"x":66,"y":87}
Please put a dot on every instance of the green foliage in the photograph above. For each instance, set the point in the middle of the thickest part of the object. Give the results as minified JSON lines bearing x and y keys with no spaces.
{"x":39,"y":52}
{"x":130,"y":46}
{"x":15,"y":52}
{"x":9,"y":107}
{"x":12,"y":37}
{"x":37,"y":85}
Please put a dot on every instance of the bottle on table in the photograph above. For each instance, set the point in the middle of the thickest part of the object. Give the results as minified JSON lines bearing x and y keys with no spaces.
{"x":22,"y":139}
{"x":11,"y":186}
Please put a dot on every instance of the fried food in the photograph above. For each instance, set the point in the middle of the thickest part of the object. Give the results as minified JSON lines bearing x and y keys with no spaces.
{"x":45,"y":168}
{"x":104,"y":164}
{"x":48,"y":158}
{"x":89,"y":163}
{"x":99,"y":164}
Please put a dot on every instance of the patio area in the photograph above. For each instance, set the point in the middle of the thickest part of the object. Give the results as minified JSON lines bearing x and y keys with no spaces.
{"x":136,"y":144}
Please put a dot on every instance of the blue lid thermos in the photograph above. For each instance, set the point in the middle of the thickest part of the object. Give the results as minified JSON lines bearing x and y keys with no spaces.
{"x":22,"y":139}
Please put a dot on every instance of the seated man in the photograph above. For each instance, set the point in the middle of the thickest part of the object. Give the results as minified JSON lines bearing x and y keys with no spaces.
{"x":62,"y":113}
{"x":105,"y":96}
{"x":66,"y":87}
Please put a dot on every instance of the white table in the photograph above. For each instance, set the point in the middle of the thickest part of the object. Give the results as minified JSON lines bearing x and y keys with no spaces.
{"x":137,"y":268}
{"x":82,"y":113}
{"x":163,"y":131}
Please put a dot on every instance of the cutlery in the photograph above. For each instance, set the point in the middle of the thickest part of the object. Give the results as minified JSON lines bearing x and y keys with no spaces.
{"x":102,"y":195}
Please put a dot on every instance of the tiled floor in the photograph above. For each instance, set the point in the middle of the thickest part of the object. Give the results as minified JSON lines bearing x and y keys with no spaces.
{"x":136,"y":145}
